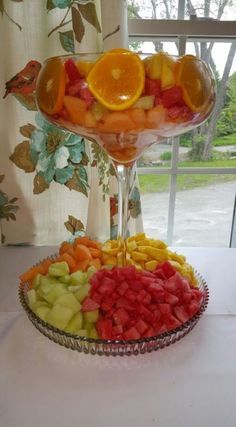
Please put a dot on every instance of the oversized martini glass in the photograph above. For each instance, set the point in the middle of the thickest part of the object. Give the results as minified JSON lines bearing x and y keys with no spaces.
{"x":125,"y":102}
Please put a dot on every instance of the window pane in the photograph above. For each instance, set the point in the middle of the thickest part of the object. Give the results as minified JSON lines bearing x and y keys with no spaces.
{"x":224,"y":11}
{"x":154,"y":9}
{"x":203,"y":214}
{"x":154,"y":199}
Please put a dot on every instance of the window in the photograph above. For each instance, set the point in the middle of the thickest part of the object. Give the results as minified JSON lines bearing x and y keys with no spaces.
{"x":188,"y":184}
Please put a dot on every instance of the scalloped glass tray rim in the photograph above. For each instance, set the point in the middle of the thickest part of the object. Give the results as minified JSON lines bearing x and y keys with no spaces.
{"x":113,"y":347}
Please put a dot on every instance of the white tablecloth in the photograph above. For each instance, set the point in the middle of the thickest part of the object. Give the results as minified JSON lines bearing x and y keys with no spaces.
{"x":191,"y":383}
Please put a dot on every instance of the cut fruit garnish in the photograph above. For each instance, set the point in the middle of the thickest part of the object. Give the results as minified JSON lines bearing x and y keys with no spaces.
{"x":193,"y":77}
{"x":117,"y":79}
{"x":51,"y":87}
{"x":161,"y":67}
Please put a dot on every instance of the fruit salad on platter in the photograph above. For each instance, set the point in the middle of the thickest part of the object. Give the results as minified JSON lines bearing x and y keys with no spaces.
{"x":126,"y":101}
{"x":131,"y":295}
{"x":92,"y":291}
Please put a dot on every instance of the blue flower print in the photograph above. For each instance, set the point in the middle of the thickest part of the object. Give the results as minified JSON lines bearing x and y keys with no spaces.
{"x":55,"y":152}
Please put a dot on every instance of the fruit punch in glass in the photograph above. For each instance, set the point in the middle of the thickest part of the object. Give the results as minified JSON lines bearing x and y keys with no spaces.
{"x":126,"y":101}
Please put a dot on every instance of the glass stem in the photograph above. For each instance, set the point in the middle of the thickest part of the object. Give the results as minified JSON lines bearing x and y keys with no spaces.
{"x":125,"y":176}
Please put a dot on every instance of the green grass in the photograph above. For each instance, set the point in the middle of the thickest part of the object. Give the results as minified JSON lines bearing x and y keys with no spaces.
{"x":160,"y":183}
{"x":225,"y":140}
{"x":185,"y":140}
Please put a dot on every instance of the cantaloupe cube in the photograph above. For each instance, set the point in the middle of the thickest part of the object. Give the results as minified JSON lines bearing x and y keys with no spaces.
{"x":156,"y":117}
{"x":90,"y":121}
{"x":117,"y":122}
{"x":76,"y":109}
{"x":138,"y":116}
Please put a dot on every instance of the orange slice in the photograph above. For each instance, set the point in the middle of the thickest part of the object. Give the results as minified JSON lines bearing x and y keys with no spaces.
{"x":193,"y":77}
{"x":117,"y":79}
{"x":51,"y":87}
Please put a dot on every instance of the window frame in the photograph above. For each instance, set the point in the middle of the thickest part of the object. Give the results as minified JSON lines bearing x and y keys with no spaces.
{"x":181,"y":31}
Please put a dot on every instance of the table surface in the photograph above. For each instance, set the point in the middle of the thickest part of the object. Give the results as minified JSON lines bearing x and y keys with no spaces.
{"x":191,"y":383}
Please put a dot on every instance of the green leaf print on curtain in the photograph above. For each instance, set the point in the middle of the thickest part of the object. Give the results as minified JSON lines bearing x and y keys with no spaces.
{"x":79,"y":11}
{"x":8,"y":208}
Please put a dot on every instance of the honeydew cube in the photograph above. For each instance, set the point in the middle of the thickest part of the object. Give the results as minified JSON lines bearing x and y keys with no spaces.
{"x":36,"y":281}
{"x":90,"y":272}
{"x":82,"y":333}
{"x":82,"y":292}
{"x":88,"y":326}
{"x":145,"y":102}
{"x":75,"y":323}
{"x":46,"y":284}
{"x":32,"y":297}
{"x":55,"y":292}
{"x":98,"y":110}
{"x":78,"y":278}
{"x":39,"y":303}
{"x":59,"y":316}
{"x":91,"y":316}
{"x":65,"y":279}
{"x":58,"y":269}
{"x":93,"y":334}
{"x":68,"y":300}
{"x":42,"y":311}
{"x":74,"y":288}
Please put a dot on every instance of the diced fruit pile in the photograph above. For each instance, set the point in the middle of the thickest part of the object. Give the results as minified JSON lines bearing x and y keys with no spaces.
{"x":119,"y":92}
{"x":116,"y":290}
{"x":136,"y":304}
{"x":56,"y":298}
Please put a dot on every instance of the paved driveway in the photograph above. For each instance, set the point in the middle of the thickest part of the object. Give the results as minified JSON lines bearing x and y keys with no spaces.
{"x":203,"y":216}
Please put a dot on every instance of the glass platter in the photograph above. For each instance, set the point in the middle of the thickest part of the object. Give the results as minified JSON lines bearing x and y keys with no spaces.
{"x":114,"y":347}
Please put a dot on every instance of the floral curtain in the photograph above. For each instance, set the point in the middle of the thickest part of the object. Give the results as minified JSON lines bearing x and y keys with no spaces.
{"x":53,"y":184}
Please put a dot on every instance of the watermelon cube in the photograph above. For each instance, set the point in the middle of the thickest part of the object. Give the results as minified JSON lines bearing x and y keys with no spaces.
{"x":141,"y":326}
{"x":165,"y":308}
{"x":89,"y":305}
{"x":130,"y":295}
{"x":121,"y":317}
{"x":131,"y":334}
{"x":152,"y":87}
{"x":181,"y":313}
{"x":181,"y":282}
{"x":168,"y":269}
{"x":146,"y":314}
{"x":107,"y":303}
{"x":107,"y":286}
{"x":141,"y":295}
{"x":104,"y":328}
{"x":186,"y":297}
{"x":71,"y":70}
{"x":117,"y":331}
{"x":171,"y":321}
{"x":171,"y":298}
{"x":193,"y":308}
{"x":149,"y":333}
{"x":122,"y":287}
